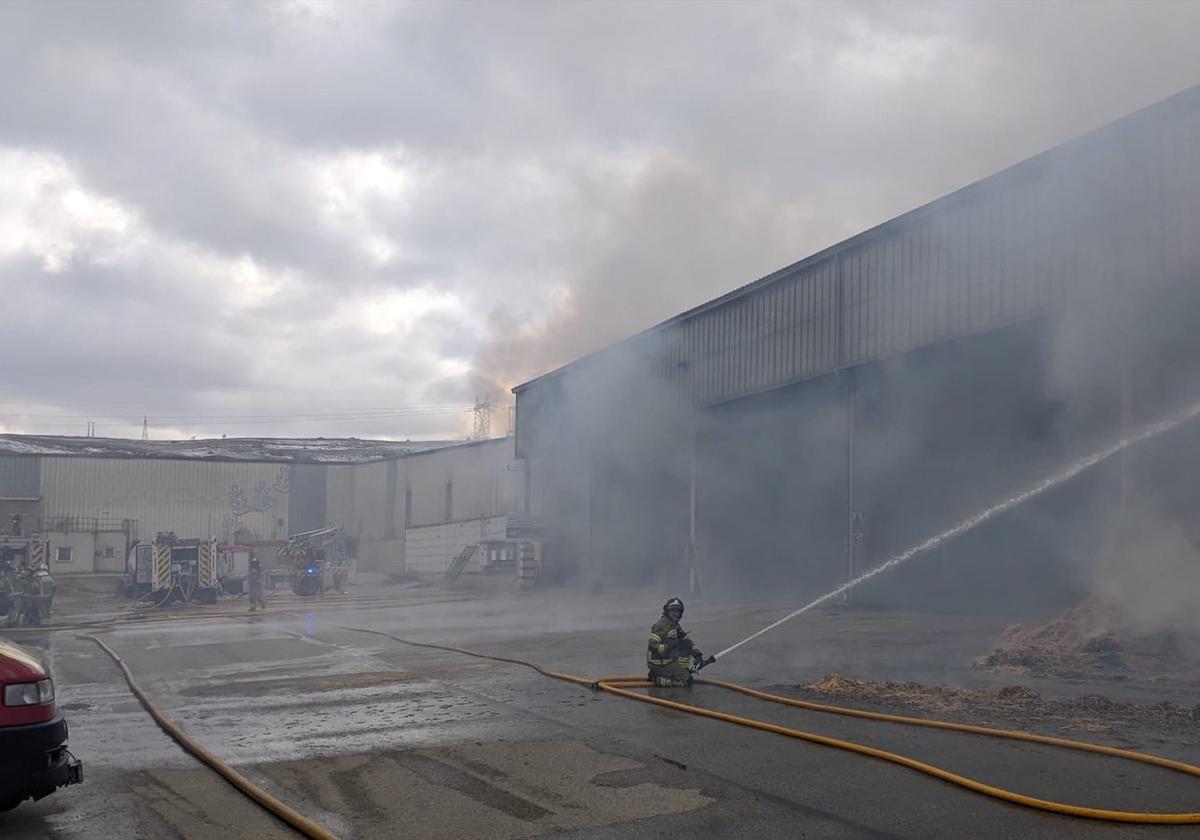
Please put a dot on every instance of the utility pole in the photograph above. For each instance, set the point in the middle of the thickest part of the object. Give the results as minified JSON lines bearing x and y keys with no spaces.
{"x":483,"y":419}
{"x":145,"y":428}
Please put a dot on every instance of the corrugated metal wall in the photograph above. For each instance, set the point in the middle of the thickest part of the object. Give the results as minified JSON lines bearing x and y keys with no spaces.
{"x":192,"y":498}
{"x":200,"y":498}
{"x":482,"y":484}
{"x":370,"y":499}
{"x":20,"y":478}
{"x":1118,"y":208}
{"x":339,"y":496}
{"x":307,"y":487}
{"x":369,"y":507}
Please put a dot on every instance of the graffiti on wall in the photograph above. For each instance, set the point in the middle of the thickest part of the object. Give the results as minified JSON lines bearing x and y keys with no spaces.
{"x":257,"y":499}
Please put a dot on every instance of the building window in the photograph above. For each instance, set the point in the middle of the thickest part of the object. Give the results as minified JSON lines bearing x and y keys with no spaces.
{"x":64,"y":555}
{"x":449,"y":500}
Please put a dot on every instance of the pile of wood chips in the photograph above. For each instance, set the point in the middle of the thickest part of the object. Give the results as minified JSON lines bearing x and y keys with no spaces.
{"x":1003,"y":706}
{"x":1093,"y":639}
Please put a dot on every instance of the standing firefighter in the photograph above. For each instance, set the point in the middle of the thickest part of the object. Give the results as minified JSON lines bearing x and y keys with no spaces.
{"x":671,"y":653}
{"x":255,"y":579}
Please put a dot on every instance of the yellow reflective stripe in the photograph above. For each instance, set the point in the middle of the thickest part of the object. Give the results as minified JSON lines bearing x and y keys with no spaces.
{"x":656,"y":637}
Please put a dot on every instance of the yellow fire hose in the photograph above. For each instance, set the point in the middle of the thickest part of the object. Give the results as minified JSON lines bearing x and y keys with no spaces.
{"x":622,"y":687}
{"x":293,"y":818}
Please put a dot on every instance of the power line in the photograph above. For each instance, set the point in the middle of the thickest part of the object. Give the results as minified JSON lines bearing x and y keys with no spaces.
{"x":253,"y":415}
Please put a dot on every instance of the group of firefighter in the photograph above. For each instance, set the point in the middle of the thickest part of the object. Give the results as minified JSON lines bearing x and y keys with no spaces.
{"x":25,"y":594}
{"x":26,"y":590}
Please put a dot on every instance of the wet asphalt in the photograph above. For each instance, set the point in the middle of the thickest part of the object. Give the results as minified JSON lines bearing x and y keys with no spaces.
{"x":377,"y":739}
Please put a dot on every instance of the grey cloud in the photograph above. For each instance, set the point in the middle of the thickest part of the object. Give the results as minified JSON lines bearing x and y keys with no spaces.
{"x":638,"y":157}
{"x":118,"y":348}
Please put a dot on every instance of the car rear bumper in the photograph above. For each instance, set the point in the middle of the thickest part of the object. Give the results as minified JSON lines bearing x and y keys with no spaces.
{"x":35,"y":761}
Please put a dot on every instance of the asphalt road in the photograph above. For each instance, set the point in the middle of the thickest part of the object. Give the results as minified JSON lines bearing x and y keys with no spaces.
{"x":377,"y":739}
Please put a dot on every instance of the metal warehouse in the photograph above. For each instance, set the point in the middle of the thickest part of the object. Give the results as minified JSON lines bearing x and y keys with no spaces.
{"x":410,"y":507}
{"x":805,"y":427}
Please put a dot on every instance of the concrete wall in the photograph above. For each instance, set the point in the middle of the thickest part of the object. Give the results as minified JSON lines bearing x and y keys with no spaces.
{"x":382,"y":556}
{"x":429,"y":549}
{"x":83,"y":549}
{"x":111,"y":551}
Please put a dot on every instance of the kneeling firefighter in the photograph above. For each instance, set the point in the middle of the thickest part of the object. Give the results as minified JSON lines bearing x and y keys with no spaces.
{"x":671,"y":656}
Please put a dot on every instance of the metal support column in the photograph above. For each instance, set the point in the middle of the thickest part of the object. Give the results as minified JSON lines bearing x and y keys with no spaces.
{"x":690,"y":550}
{"x":1126,"y":423}
{"x":852,"y":533}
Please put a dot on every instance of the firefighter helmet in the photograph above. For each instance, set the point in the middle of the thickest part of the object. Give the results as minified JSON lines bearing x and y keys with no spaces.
{"x":673,"y":604}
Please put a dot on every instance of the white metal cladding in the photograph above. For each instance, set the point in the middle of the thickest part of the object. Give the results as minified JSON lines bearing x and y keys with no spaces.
{"x":339,"y":496}
{"x":1121,"y":205}
{"x":191,"y":498}
{"x":369,"y":496}
{"x":479,"y":475}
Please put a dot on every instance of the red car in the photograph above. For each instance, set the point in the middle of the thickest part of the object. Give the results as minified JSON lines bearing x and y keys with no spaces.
{"x":34,"y":759}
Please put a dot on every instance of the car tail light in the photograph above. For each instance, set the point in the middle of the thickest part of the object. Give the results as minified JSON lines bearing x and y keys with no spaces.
{"x":29,"y":694}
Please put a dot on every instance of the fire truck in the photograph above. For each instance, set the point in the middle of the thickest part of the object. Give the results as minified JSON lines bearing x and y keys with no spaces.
{"x":320,"y":560}
{"x":233,"y":567}
{"x":171,"y":569}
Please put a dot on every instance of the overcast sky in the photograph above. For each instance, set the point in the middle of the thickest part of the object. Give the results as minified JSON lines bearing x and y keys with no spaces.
{"x":343,"y":219}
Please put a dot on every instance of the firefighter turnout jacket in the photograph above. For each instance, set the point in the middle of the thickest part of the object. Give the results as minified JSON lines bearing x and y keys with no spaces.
{"x":669,"y":648}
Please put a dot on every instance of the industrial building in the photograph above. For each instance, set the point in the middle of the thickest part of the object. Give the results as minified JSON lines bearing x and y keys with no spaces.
{"x":408,"y":507}
{"x":801,"y":429}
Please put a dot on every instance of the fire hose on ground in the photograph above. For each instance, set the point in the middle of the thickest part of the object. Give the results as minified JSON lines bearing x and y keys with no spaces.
{"x":256,"y":794}
{"x":623,"y":687}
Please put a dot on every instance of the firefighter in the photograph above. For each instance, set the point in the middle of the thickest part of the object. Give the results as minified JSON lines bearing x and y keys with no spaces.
{"x":670,"y":653}
{"x":40,"y":587}
{"x":255,"y":580}
{"x":10,"y":593}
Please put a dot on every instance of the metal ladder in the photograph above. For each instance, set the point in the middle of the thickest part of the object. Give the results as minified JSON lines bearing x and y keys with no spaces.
{"x":459,"y":563}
